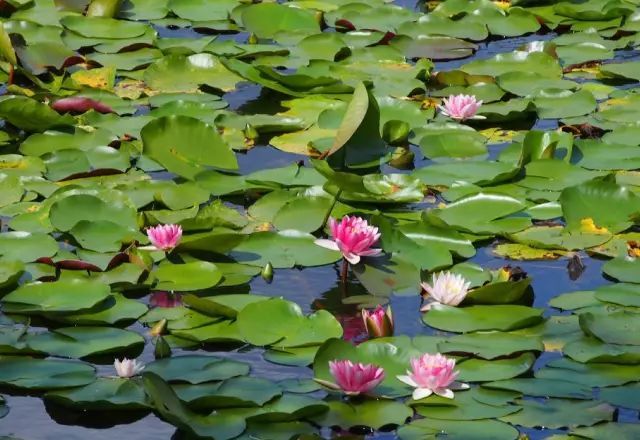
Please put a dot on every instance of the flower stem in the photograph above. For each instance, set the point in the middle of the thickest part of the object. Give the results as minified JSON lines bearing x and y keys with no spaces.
{"x":335,"y":200}
{"x":344,"y":271}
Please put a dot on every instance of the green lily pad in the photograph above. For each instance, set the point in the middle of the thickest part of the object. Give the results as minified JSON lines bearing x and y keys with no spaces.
{"x":79,"y":342}
{"x":615,"y":205}
{"x":114,"y":310}
{"x":64,"y":296}
{"x":490,"y":345}
{"x":552,"y":104}
{"x":196,"y":369}
{"x":166,"y":402}
{"x":543,"y":388}
{"x":624,"y":270}
{"x":558,"y":413}
{"x":480,"y":370}
{"x":105,"y":394}
{"x":44,"y":374}
{"x":283,"y":249}
{"x":186,"y":146}
{"x":622,"y":431}
{"x":235,"y":392}
{"x":281,"y":323}
{"x":477,"y":318}
{"x":600,"y":374}
{"x":179,"y":73}
{"x":77,"y":205}
{"x":195,"y":275}
{"x":265,"y":20}
{"x":458,"y":429}
{"x":372,"y":413}
{"x":470,"y":405}
{"x":588,"y":350}
{"x":517,"y":61}
{"x":614,"y":328}
{"x":625,"y":396}
{"x":100,"y":27}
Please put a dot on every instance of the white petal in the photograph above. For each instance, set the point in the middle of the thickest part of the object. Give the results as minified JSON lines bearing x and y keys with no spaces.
{"x":352,"y":258}
{"x":371,"y":253}
{"x":426,"y":307}
{"x":421,"y":393}
{"x":444,"y":392}
{"x":328,"y":244}
{"x":407,"y":380}
{"x":149,"y":248}
{"x":327,"y":384}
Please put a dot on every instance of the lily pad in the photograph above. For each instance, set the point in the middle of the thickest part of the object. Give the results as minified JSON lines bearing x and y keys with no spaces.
{"x":186,"y":146}
{"x":195,"y":275}
{"x":64,"y":296}
{"x":44,"y":374}
{"x":105,"y":394}
{"x":281,"y":323}
{"x":195,"y":369}
{"x":476,"y":318}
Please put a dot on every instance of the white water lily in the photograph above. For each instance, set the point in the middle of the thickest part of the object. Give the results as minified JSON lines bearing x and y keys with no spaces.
{"x":446,"y":288}
{"x":128,"y":367}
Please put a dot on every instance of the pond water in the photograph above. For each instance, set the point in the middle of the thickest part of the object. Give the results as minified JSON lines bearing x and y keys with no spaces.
{"x":316,"y":287}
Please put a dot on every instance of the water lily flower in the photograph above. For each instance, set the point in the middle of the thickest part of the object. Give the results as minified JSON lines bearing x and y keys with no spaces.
{"x":432,"y":374}
{"x":353,"y":378}
{"x":461,"y":107}
{"x":167,"y":300}
{"x":446,"y":288}
{"x":353,"y":237}
{"x":378,"y":323}
{"x":127,"y":367}
{"x":165,"y":237}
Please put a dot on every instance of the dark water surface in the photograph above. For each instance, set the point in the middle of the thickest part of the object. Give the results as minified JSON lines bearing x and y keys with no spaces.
{"x":311,"y":288}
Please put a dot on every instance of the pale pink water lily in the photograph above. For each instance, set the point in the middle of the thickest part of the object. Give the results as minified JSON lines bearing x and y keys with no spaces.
{"x":461,"y":107}
{"x":353,"y":378}
{"x":378,"y":323}
{"x":165,"y":237}
{"x":353,"y":237}
{"x":447,"y":288}
{"x":432,"y":374}
{"x":127,"y":368}
{"x":165,"y":299}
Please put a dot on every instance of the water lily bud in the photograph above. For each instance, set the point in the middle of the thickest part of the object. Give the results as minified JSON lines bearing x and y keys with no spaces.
{"x":402,"y":158}
{"x":250,"y":132}
{"x":378,"y":323}
{"x":267,"y":273}
{"x":159,"y":328}
{"x":162,"y":349}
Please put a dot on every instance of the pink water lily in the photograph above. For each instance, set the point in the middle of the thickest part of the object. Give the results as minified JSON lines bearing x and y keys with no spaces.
{"x":353,"y":378}
{"x":461,"y":107}
{"x":127,"y":367}
{"x":165,"y":237}
{"x":378,"y":323}
{"x":353,"y":237}
{"x":432,"y":374}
